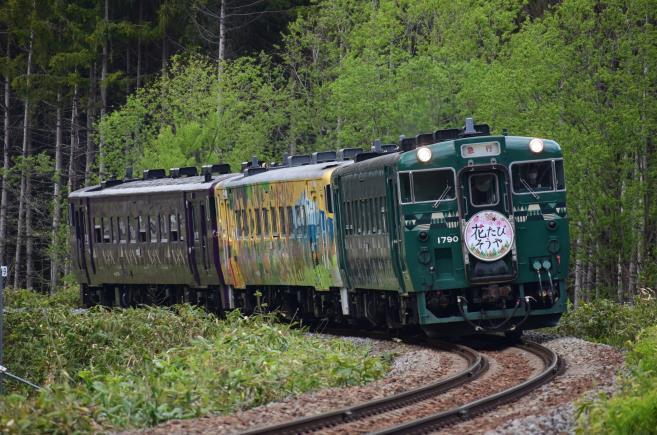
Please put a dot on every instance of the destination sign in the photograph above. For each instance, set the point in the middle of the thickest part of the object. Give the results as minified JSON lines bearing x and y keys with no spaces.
{"x":481,"y":149}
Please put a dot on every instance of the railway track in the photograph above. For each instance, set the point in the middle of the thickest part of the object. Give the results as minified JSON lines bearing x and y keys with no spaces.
{"x":477,"y":364}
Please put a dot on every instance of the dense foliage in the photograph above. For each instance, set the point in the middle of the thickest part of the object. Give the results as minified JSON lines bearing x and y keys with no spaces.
{"x":334,"y":74}
{"x":110,"y":370}
{"x":604,"y":321}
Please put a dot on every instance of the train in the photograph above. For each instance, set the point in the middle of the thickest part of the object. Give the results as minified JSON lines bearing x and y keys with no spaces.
{"x":456,"y":232}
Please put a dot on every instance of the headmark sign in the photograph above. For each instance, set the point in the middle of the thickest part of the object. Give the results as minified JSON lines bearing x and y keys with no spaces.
{"x":488,"y":235}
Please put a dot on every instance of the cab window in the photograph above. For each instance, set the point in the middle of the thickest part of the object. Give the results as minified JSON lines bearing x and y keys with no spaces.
{"x":534,"y":176}
{"x":433,"y":185}
{"x":483,"y":190}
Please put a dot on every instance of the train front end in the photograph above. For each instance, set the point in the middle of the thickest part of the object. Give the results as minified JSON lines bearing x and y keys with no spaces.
{"x":485,"y":238}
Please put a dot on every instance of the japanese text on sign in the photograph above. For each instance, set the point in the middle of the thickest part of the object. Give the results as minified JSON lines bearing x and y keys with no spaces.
{"x":489,"y":235}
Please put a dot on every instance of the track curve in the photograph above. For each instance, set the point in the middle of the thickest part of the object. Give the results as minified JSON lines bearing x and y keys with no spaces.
{"x":553,"y":365}
{"x":477,"y":364}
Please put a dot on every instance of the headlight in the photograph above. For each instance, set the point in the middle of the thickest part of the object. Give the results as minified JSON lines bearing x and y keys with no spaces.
{"x":423,"y":154}
{"x":536,"y":145}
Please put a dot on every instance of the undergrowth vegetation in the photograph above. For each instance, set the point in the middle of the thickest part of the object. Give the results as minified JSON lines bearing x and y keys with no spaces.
{"x":605,"y":321}
{"x":632,"y":327}
{"x":634,"y":409}
{"x":115,"y":369}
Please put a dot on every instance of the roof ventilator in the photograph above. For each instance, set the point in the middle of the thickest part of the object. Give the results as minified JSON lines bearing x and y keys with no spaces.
{"x":348,"y":153}
{"x":324,"y":156}
{"x":253,"y":167}
{"x":299,"y":160}
{"x":154,"y":174}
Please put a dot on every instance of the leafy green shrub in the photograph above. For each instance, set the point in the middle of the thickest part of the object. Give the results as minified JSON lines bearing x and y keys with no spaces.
{"x":67,"y":296}
{"x":634,"y":409}
{"x":608,"y":322}
{"x":109,"y":370}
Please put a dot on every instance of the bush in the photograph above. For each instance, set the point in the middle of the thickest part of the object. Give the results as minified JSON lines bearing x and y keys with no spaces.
{"x":115,"y":369}
{"x":634,"y":409}
{"x":605,"y":321}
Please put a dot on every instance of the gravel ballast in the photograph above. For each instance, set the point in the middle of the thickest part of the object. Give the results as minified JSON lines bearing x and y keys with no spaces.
{"x":589,"y":368}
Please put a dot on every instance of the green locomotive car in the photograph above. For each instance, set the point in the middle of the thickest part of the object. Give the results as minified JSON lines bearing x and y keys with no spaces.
{"x":478,"y":233}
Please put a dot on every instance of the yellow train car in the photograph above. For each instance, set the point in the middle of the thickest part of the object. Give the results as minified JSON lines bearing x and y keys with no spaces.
{"x":276,"y":228}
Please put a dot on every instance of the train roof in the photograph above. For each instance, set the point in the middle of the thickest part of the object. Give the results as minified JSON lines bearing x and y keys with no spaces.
{"x":274,"y":175}
{"x":159,"y":185}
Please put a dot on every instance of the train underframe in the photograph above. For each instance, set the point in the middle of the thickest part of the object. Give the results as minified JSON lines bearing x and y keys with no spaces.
{"x":455,"y":312}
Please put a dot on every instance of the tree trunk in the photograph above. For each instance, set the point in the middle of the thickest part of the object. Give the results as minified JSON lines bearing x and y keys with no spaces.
{"x":165,"y":52}
{"x":141,"y":12}
{"x":222,"y":31}
{"x":103,"y":96}
{"x":5,"y":157}
{"x":29,"y":239}
{"x":74,"y":143}
{"x":590,"y":261}
{"x":578,"y":267}
{"x":56,"y":199}
{"x":23,"y":194}
{"x":91,"y":109}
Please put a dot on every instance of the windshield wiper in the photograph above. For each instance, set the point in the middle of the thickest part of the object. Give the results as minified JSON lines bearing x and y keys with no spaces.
{"x":522,"y":180}
{"x":442,"y":196}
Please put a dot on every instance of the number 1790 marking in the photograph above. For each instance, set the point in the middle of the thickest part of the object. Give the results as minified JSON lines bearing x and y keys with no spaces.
{"x":448,"y":239}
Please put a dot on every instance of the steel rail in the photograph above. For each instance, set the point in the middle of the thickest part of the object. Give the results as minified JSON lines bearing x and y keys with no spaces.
{"x":477,"y":365}
{"x":553,"y":366}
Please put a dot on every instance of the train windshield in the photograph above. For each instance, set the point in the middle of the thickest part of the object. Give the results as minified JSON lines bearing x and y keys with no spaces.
{"x":534,"y":176}
{"x":425,"y":186}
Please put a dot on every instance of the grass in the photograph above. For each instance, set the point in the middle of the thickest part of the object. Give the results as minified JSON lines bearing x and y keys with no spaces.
{"x":634,"y":409}
{"x":107,"y":370}
{"x":633,"y":327}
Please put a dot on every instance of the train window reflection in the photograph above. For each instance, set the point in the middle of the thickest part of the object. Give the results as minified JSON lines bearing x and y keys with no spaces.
{"x":532,"y":177}
{"x":561,"y":178}
{"x":152,"y":229}
{"x":433,"y":185}
{"x":483,"y":190}
{"x":405,"y":187}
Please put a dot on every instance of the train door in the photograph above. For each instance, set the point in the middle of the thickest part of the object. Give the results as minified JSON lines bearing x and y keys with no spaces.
{"x":393,"y":223}
{"x":192,"y":238}
{"x":78,"y":221}
{"x":487,"y":224}
{"x":203,"y":237}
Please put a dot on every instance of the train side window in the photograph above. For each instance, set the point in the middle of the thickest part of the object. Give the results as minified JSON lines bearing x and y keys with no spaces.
{"x":258,"y":223}
{"x":163,"y":228}
{"x":112,"y":228}
{"x":384,"y":215}
{"x":238,"y":223}
{"x":274,"y":222}
{"x":433,"y":185}
{"x":106,"y":230}
{"x":265,"y":221}
{"x":122,"y":229}
{"x":559,"y":173}
{"x":405,"y":187}
{"x":281,"y":212}
{"x":375,"y":216}
{"x":132,"y":236}
{"x":181,"y":227}
{"x":290,"y":222}
{"x":245,"y":223}
{"x":328,"y":198}
{"x":98,"y":232}
{"x":141,"y":226}
{"x":152,"y":229}
{"x":532,"y":177}
{"x":173,"y":228}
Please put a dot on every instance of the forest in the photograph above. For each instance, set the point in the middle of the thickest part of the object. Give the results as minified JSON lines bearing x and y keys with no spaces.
{"x":92,"y":88}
